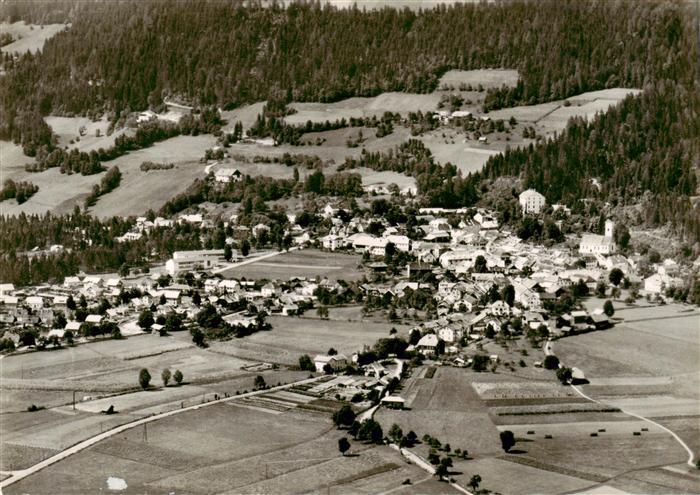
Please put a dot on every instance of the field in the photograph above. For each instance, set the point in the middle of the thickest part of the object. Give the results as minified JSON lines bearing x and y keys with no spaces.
{"x":488,"y":78}
{"x":28,"y":37}
{"x":291,"y":337}
{"x":385,"y":178}
{"x":552,"y":117}
{"x":466,"y":156}
{"x":309,"y":263}
{"x":228,"y":449}
{"x":68,"y":129}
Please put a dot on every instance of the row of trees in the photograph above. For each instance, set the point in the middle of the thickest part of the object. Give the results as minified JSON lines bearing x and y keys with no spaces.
{"x":21,"y":190}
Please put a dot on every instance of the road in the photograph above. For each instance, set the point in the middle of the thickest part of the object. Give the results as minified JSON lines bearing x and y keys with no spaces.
{"x":249,"y":261}
{"x":691,"y":456}
{"x":21,"y":474}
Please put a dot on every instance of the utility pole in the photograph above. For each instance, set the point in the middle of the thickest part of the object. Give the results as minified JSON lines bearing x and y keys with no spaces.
{"x":145,"y":432}
{"x":74,"y":400}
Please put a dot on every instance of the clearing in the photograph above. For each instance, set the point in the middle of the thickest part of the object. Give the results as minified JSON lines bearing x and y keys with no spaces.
{"x":29,"y":37}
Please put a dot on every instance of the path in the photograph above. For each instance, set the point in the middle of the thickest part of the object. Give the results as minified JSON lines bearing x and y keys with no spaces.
{"x":21,"y":474}
{"x":691,"y":456}
{"x":249,"y":261}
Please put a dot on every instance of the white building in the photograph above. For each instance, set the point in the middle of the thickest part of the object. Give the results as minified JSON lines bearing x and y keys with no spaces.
{"x":531,"y":201}
{"x":599,"y":244}
{"x":337,"y":362}
{"x":226,"y":175}
{"x":183,"y":261}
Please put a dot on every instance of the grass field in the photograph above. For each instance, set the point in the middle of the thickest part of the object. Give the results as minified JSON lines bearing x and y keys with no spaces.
{"x":140,"y":191}
{"x":448,"y":408}
{"x":28,"y":37}
{"x":488,"y":78}
{"x":68,"y":128}
{"x":385,"y":178}
{"x":291,"y":337}
{"x":309,"y":263}
{"x":227,"y":449}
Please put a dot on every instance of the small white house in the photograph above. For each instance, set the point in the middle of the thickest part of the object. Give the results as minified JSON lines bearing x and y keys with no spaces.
{"x":337,"y":362}
{"x":226,"y":175}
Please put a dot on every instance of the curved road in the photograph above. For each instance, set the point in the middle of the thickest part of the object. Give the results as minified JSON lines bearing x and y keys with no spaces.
{"x":21,"y":474}
{"x":691,"y":455}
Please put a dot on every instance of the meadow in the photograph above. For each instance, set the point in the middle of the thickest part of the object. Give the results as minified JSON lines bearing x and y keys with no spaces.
{"x":28,"y":37}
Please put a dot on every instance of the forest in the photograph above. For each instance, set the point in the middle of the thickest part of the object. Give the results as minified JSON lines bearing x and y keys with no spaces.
{"x":119,"y":57}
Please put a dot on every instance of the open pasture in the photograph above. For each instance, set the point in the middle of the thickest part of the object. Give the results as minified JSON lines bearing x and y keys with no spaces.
{"x":28,"y":37}
{"x":357,"y":107}
{"x":487,"y":78}
{"x":68,"y":129}
{"x":226,"y":449}
{"x":246,"y":115}
{"x":140,"y":191}
{"x":309,"y":263}
{"x":520,"y":479}
{"x":467,"y":157}
{"x":291,"y":337}
{"x":384,"y":178}
{"x":445,"y":407}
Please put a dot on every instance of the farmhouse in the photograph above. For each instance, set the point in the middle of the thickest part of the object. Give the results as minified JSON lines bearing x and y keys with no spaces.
{"x":531,"y":201}
{"x":428,"y":344}
{"x":183,"y":261}
{"x":393,"y":402}
{"x":226,"y":175}
{"x":336,"y":363}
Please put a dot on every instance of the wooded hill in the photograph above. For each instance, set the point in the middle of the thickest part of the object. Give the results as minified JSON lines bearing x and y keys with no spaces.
{"x":126,"y":56}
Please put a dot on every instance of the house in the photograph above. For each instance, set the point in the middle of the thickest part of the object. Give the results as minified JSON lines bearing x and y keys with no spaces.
{"x":333,"y":242}
{"x":499,"y":308}
{"x":393,"y":402}
{"x":336,"y":363}
{"x":6,"y":289}
{"x":94,"y":319}
{"x":416,"y":271}
{"x":428,"y":344}
{"x":599,"y":244}
{"x":531,"y":201}
{"x":34,"y":302}
{"x":183,"y":261}
{"x":401,"y":242}
{"x":226,"y":175}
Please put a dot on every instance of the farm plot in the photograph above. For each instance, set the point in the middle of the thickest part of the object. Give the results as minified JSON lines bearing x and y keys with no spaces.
{"x":465,"y":157}
{"x":246,"y":115}
{"x":487,"y":78}
{"x":190,"y":452}
{"x":448,"y":408}
{"x":309,"y":263}
{"x":606,"y":454}
{"x":28,"y":37}
{"x":291,"y":337}
{"x":501,"y":476}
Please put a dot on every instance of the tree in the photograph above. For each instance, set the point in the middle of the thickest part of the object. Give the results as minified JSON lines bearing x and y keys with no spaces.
{"x":600,"y":288}
{"x":508,"y":294}
{"x":306,"y":364}
{"x":608,"y":308}
{"x":433,"y":458}
{"x":507,"y":440}
{"x":198,"y":337}
{"x":322,"y":312}
{"x":260,"y":382}
{"x":395,"y":432}
{"x":196,"y":298}
{"x":70,"y":303}
{"x":146,"y":320}
{"x":441,"y":471}
{"x":615,"y":276}
{"x":245,"y":247}
{"x":474,"y":482}
{"x":354,"y":429}
{"x":144,"y":378}
{"x":344,"y":416}
{"x":564,"y":375}
{"x":480,"y":265}
{"x":165,"y":376}
{"x":332,"y":352}
{"x":414,"y":336}
{"x":228,"y":252}
{"x":178,"y":377}
{"x":411,"y":437}
{"x":343,"y":445}
{"x":551,"y":362}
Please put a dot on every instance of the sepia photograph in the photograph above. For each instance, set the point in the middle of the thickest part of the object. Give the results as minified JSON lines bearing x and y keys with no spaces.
{"x":340,"y":247}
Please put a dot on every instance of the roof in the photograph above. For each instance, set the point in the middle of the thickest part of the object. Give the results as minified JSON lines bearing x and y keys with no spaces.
{"x":429,"y":340}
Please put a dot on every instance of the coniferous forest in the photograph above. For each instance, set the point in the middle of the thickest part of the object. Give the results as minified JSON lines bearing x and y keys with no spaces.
{"x":118,"y":57}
